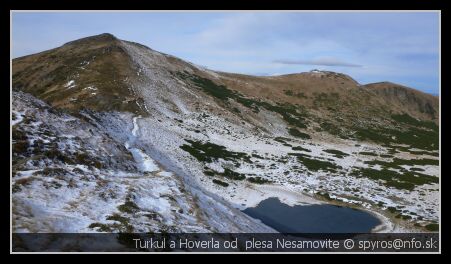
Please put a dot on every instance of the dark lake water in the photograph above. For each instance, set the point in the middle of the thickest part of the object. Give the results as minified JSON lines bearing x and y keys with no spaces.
{"x":312,"y":218}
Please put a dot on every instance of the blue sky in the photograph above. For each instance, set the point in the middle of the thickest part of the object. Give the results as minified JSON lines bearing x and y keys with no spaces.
{"x":401,"y":47}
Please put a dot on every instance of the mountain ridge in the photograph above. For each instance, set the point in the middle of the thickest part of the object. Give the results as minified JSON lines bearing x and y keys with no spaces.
{"x":305,"y":82}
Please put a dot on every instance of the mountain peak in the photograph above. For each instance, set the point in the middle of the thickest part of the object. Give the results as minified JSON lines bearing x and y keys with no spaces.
{"x":103,"y":38}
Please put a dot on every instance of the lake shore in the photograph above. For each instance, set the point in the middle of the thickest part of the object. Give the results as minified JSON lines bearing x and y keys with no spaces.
{"x":252,"y":195}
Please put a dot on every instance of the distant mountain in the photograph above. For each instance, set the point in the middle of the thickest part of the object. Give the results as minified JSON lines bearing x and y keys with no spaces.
{"x":407,"y":99}
{"x":319,"y":134}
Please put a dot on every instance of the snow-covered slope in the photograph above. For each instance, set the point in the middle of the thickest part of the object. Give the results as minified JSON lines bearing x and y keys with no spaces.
{"x":69,"y":175}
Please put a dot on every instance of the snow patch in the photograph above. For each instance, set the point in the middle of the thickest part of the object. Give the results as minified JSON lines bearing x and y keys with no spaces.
{"x":90,"y":88}
{"x":135,"y":125}
{"x":145,"y":163}
{"x":70,"y":84}
{"x":19,"y":117}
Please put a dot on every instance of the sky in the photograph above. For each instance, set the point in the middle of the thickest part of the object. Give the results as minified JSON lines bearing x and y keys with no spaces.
{"x":401,"y":47}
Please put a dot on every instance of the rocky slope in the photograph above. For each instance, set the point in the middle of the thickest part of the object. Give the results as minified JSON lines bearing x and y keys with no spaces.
{"x":307,"y":137}
{"x":70,"y":175}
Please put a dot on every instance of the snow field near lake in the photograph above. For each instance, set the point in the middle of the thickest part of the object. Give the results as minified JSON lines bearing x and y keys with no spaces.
{"x":170,"y":124}
{"x":308,"y":183}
